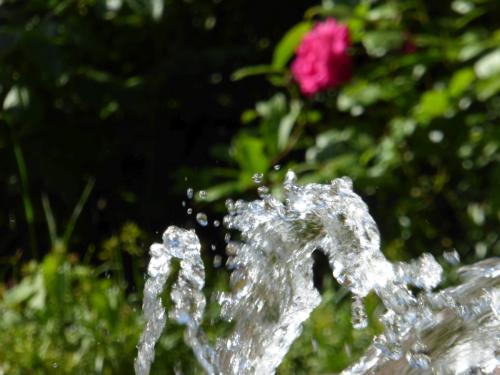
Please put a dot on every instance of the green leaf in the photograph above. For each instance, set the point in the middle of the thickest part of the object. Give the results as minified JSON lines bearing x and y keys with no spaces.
{"x":222,"y":190}
{"x":378,"y":43}
{"x":248,"y":116}
{"x":358,"y":93}
{"x":461,"y":81}
{"x":285,"y":49}
{"x":77,"y":210}
{"x":387,"y":11}
{"x":432,"y":104}
{"x":16,"y":97}
{"x":253,"y":71}
{"x":486,"y":88}
{"x":287,"y":123}
{"x":249,"y":154}
{"x":20,"y":293}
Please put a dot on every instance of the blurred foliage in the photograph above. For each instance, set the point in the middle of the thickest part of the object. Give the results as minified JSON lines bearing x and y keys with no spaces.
{"x":122,"y":92}
{"x":102,"y":100}
{"x":65,"y":317}
{"x":416,"y":127}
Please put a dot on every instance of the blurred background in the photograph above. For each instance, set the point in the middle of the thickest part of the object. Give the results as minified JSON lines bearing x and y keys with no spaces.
{"x":112,"y":109}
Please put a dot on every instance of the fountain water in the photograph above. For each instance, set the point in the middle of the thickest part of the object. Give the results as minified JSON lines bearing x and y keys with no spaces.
{"x":456,"y":330}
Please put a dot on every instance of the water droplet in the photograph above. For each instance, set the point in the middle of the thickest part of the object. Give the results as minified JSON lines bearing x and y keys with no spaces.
{"x":227,"y":238}
{"x":290,"y":178}
{"x":183,"y":203}
{"x":452,"y":257}
{"x":257,"y":178}
{"x":202,"y":194}
{"x":55,"y":365}
{"x":189,"y":211}
{"x":230,"y":206}
{"x":201,"y":218}
{"x":217,"y":261}
{"x":277,"y":167}
{"x":262,"y":191}
{"x":190,"y":193}
{"x":12,"y":221}
{"x":216,"y":223}
{"x":213,"y":247}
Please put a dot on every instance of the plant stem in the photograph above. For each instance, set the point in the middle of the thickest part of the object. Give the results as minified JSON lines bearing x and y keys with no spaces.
{"x":27,"y":203}
{"x":77,"y":211}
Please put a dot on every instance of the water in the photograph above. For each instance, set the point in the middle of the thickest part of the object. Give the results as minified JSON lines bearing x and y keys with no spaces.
{"x":257,"y":178}
{"x":452,"y":257}
{"x":202,"y":219}
{"x":452,"y":331}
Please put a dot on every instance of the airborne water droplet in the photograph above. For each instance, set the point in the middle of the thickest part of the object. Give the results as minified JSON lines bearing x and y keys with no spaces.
{"x":216,"y":223}
{"x":452,"y":257}
{"x":262,"y":191}
{"x":217,"y":261}
{"x":277,"y":167}
{"x":257,"y":178}
{"x":202,"y":219}
{"x":202,"y":194}
{"x":190,"y":193}
{"x":189,"y":211}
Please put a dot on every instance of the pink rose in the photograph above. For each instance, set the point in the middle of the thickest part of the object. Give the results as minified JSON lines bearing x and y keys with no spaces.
{"x":322,"y":60}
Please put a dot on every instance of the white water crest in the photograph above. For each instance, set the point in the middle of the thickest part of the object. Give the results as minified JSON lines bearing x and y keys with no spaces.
{"x":272,"y":293}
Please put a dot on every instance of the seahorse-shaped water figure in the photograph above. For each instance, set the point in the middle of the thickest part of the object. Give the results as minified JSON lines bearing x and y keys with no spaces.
{"x":272,"y":291}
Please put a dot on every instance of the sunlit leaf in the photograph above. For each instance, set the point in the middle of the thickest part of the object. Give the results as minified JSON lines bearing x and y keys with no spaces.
{"x":222,"y":190}
{"x":253,"y":71}
{"x":17,"y":97}
{"x":378,"y":43}
{"x":287,"y":123}
{"x":249,"y":154}
{"x":285,"y":49}
{"x":488,"y":65}
{"x":486,"y":88}
{"x":461,"y":81}
{"x":432,"y":104}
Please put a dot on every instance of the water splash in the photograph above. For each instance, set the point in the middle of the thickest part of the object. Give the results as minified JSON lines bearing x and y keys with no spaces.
{"x":456,"y":331}
{"x":189,"y":301}
{"x":272,"y":291}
